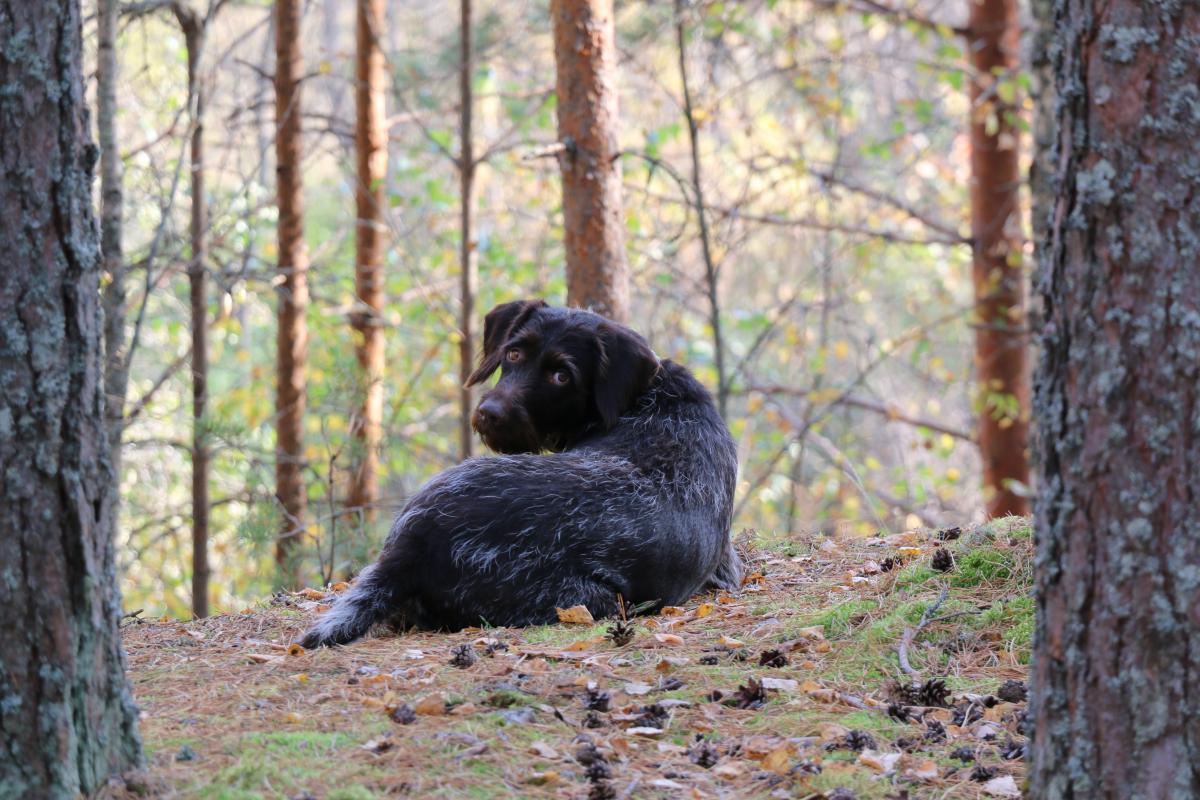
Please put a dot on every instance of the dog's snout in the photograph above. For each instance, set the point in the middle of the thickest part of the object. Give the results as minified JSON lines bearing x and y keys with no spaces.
{"x":490,"y":411}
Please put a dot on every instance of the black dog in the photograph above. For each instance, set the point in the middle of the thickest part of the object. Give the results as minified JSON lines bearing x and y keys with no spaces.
{"x":635,"y":498}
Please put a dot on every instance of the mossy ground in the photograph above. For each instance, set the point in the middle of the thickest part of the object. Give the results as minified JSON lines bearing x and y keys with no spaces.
{"x":228,"y":713}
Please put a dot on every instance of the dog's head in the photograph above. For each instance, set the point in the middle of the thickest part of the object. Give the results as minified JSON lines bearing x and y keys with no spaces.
{"x":562,"y":371}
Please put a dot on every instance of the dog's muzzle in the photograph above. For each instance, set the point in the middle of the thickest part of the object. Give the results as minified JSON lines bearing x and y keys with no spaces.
{"x":504,"y":425}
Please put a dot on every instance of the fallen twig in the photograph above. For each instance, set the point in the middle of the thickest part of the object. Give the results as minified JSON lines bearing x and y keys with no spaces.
{"x":911,"y":633}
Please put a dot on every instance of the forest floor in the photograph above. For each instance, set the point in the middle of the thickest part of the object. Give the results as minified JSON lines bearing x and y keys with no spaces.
{"x":792,"y":688}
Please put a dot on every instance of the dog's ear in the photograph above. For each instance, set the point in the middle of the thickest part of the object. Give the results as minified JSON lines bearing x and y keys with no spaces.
{"x":498,"y":325}
{"x":624,"y":370}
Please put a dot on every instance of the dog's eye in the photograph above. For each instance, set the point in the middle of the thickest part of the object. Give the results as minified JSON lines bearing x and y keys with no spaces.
{"x":560,"y":378}
{"x":514,"y":355}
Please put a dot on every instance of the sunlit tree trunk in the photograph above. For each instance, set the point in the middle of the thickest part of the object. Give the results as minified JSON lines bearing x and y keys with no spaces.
{"x":466,"y":261}
{"x":1001,"y":338}
{"x":67,"y":719}
{"x":292,"y":366}
{"x":593,"y":223}
{"x":1116,"y":669}
{"x":193,"y":32}
{"x":370,"y":143}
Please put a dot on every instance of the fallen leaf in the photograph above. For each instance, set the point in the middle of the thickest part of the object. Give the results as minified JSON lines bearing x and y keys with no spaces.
{"x":540,"y":748}
{"x":300,"y":677}
{"x":780,"y":684}
{"x":778,"y":760}
{"x":263,"y":658}
{"x":1003,"y":786}
{"x":926,"y":769}
{"x":669,"y":639}
{"x":880,"y":762}
{"x":340,"y":586}
{"x":295,"y":650}
{"x":463,"y":709}
{"x":431,"y":705}
{"x":575,"y":615}
{"x":643,"y":730}
{"x":293,"y":718}
{"x":543,"y":778}
{"x":730,"y":642}
{"x":672,"y":611}
{"x":636,"y":689}
{"x":704,"y":609}
{"x":311,"y":594}
{"x":381,"y":745}
{"x":667,"y":663}
{"x":729,"y":770}
{"x":584,"y":644}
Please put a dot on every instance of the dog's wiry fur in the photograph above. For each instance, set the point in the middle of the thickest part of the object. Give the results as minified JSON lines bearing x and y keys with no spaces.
{"x":635,"y":497}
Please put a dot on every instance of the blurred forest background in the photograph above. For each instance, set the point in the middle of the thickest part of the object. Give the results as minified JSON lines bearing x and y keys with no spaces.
{"x":821,"y":214}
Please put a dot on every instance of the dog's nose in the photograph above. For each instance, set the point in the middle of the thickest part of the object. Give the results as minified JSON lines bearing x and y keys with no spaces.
{"x":489,"y":412}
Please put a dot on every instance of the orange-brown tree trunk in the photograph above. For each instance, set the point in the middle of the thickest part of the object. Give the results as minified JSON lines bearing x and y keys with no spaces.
{"x":292,"y":364}
{"x":370,"y":143}
{"x":1000,"y":333}
{"x":593,"y":224}
{"x":466,"y":261}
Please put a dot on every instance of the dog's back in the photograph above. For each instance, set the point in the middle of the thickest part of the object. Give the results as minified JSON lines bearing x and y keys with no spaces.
{"x":640,"y":508}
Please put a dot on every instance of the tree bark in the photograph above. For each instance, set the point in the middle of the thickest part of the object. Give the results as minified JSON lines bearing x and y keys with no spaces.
{"x":67,"y":719}
{"x":193,"y":32}
{"x":593,"y":224}
{"x":292,"y":364}
{"x":1117,"y":653}
{"x":370,"y":142}
{"x":1000,"y":325}
{"x":466,"y":261}
{"x":115,"y":303}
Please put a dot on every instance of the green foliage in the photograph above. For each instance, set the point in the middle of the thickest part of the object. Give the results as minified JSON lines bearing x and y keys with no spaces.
{"x":832,"y":289}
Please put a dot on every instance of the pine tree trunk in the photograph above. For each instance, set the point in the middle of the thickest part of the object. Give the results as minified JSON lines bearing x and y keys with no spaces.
{"x":67,"y":719}
{"x":466,"y":260}
{"x":1000,"y":332}
{"x":292,"y":365}
{"x":370,"y":142}
{"x":193,"y":32}
{"x":593,"y":224}
{"x":1117,"y":655}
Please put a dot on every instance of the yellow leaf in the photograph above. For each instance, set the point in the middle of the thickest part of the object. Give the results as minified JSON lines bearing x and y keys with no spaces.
{"x":575,"y":615}
{"x":704,"y":609}
{"x":671,"y":611}
{"x":728,"y":641}
{"x":841,"y":349}
{"x":584,"y":644}
{"x":295,"y":650}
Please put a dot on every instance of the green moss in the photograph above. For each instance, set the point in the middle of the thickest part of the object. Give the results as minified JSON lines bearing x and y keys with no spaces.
{"x":562,"y":635}
{"x":836,"y":620}
{"x":351,"y":793}
{"x":914,"y":575}
{"x":982,"y":565}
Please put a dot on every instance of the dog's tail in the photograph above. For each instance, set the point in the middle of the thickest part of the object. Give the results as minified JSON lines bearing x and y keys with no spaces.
{"x":365,"y":603}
